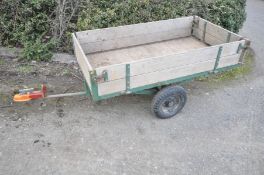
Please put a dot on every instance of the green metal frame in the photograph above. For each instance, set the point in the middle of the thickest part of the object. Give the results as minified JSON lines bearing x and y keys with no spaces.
{"x":204,"y":32}
{"x":240,"y":47}
{"x":218,"y":57}
{"x":147,"y":88}
{"x":127,"y":77}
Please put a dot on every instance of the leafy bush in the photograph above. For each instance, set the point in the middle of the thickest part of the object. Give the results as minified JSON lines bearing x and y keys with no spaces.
{"x":38,"y":50}
{"x":27,"y":23}
{"x":230,"y":14}
{"x":35,"y":25}
{"x":108,"y":13}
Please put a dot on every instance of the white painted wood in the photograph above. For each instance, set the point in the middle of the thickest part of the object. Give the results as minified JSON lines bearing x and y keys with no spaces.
{"x":82,"y":60}
{"x":131,"y":35}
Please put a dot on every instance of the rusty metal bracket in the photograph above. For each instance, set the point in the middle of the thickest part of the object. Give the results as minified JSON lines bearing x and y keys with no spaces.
{"x":102,"y":78}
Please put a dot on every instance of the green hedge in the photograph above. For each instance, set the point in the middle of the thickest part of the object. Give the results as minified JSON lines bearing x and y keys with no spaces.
{"x":107,"y":13}
{"x":28,"y":23}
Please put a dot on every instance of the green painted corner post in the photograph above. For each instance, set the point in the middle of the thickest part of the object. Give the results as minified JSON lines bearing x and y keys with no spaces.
{"x":228,"y":37}
{"x":127,"y":78}
{"x":204,"y":32}
{"x":240,"y":47}
{"x":193,"y":26}
{"x":244,"y":50}
{"x":218,"y":58}
{"x":87,"y":89}
{"x":94,"y":86}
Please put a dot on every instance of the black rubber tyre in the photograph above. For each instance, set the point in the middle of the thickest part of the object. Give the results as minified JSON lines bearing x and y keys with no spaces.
{"x":169,"y":101}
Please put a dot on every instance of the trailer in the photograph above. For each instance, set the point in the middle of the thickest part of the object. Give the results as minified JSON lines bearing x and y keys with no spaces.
{"x":155,"y":57}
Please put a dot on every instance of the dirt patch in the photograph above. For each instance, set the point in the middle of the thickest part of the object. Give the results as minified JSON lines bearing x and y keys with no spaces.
{"x":15,"y":75}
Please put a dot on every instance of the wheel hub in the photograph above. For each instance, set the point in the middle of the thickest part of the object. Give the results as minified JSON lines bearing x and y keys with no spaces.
{"x":170,"y":104}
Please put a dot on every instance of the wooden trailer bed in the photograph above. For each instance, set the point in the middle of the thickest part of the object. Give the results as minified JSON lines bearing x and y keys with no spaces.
{"x":127,"y":59}
{"x":134,"y":53}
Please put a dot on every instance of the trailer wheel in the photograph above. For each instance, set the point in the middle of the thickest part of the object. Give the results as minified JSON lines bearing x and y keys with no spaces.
{"x":169,"y":101}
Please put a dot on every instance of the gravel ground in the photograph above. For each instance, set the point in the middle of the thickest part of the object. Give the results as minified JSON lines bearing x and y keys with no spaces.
{"x":220,"y":131}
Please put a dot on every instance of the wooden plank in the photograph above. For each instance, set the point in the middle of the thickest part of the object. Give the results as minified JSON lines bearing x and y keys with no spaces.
{"x":130,"y":35}
{"x":169,"y":61}
{"x":214,"y":34}
{"x":168,"y":74}
{"x":154,"y":77}
{"x":114,"y":72}
{"x":113,"y":33}
{"x":112,"y":87}
{"x":229,"y":60}
{"x":82,"y":60}
{"x":165,"y":75}
{"x":141,"y":52}
{"x":134,"y":40}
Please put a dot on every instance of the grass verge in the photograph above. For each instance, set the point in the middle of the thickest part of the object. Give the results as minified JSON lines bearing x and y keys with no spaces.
{"x":25,"y":69}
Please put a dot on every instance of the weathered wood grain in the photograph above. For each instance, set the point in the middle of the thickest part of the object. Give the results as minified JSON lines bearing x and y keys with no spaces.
{"x":159,"y":63}
{"x":214,"y":34}
{"x":82,"y":60}
{"x":131,"y":35}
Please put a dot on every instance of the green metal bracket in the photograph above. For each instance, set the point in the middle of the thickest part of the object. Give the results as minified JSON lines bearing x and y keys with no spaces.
{"x":228,"y":37}
{"x":127,"y":77}
{"x":94,"y":85}
{"x":204,"y":32}
{"x":87,"y":89}
{"x":240,"y":47}
{"x":193,"y":25}
{"x":105,"y":75}
{"x":218,"y":57}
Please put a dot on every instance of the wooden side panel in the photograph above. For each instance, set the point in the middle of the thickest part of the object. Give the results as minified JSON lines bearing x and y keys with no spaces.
{"x":129,"y":41}
{"x":154,"y":77}
{"x":183,"y":59}
{"x":131,"y":35}
{"x":145,"y":51}
{"x":214,"y":34}
{"x":169,"y":61}
{"x":161,"y":69}
{"x":168,"y":74}
{"x":82,"y":60}
{"x":114,"y":72}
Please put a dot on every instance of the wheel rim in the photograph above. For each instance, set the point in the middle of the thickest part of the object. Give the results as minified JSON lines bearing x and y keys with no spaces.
{"x":171,"y":105}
